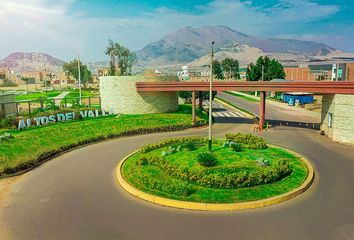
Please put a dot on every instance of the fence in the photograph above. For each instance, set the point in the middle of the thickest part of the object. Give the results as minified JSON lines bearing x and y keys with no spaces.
{"x":27,"y":107}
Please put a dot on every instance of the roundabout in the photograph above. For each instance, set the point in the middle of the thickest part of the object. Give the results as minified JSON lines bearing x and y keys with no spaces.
{"x":244,"y":174}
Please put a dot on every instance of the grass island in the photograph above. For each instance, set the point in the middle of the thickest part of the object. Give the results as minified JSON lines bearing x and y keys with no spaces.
{"x":241,"y":168}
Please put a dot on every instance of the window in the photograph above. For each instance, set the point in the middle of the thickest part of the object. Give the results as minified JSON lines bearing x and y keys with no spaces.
{"x":330,"y":120}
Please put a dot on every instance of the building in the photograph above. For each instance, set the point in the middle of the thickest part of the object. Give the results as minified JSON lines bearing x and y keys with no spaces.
{"x":7,"y":105}
{"x":320,"y":72}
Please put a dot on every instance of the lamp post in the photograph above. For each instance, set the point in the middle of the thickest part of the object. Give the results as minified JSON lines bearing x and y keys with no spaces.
{"x":79,"y":70}
{"x":211,"y":98}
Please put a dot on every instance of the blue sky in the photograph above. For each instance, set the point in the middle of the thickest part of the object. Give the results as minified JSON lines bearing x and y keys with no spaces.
{"x":63,"y":28}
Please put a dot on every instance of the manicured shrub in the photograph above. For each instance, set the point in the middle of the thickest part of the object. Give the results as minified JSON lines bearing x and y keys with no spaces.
{"x":223,"y":177}
{"x":191,"y":146}
{"x":142,"y":162}
{"x":206,"y":159}
{"x":9,"y":122}
{"x":179,"y":141}
{"x":6,"y":137}
{"x":226,"y":144}
{"x":262,"y":162}
{"x":248,"y":140}
{"x":236,"y":147}
{"x":163,"y":154}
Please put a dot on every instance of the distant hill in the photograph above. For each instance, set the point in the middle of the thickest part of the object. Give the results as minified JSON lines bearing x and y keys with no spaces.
{"x":20,"y":62}
{"x":189,"y":44}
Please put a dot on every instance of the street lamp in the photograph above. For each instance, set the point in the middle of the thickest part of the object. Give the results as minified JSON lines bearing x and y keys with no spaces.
{"x":79,"y":70}
{"x":211,"y":98}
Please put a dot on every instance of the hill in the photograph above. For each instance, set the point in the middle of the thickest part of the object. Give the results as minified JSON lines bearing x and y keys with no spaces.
{"x":20,"y":62}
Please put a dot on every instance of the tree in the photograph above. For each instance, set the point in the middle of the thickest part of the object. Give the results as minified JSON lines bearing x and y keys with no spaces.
{"x":231,"y":68}
{"x":187,"y":96}
{"x":272,"y":70}
{"x":125,"y":58}
{"x":111,"y":51}
{"x":71,"y":69}
{"x":217,"y":70}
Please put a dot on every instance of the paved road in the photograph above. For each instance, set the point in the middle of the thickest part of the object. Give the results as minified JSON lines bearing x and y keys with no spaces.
{"x":274,"y":110}
{"x":76,"y":196}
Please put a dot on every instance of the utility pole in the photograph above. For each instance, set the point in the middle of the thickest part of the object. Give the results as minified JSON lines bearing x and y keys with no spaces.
{"x":211,"y":98}
{"x":79,"y":71}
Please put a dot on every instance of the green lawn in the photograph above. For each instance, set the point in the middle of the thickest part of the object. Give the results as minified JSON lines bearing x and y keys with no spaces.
{"x":242,"y":96}
{"x":33,"y":145}
{"x":37,"y":95}
{"x":228,"y":162}
{"x":55,"y":93}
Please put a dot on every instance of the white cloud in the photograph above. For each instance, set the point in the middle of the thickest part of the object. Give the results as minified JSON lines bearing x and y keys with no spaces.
{"x":38,"y":26}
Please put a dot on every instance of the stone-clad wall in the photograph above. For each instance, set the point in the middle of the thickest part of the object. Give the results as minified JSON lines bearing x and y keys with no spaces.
{"x":342,"y":109}
{"x":119,"y":95}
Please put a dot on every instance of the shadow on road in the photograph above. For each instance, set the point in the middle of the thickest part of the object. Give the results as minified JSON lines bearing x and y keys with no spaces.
{"x":271,"y":123}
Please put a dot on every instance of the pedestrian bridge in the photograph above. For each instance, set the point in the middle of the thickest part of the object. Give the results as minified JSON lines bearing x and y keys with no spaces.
{"x":342,"y":87}
{"x":305,"y":86}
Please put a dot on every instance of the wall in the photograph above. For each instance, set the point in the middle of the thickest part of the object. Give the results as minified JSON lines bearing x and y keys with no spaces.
{"x":119,"y":95}
{"x":350,"y":71}
{"x":342,"y":109}
{"x":7,"y":109}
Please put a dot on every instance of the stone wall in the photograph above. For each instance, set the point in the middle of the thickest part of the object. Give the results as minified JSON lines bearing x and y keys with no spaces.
{"x":119,"y":95}
{"x":342,"y":109}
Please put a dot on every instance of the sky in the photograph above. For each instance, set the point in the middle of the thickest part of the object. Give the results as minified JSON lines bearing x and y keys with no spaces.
{"x":64,"y":28}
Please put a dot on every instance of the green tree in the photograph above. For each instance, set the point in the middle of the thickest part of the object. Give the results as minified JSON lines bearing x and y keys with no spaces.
{"x":125,"y":59}
{"x":187,"y":96}
{"x":111,"y":51}
{"x":231,"y":68}
{"x":217,"y":70}
{"x":71,"y":69}
{"x":272,"y":70}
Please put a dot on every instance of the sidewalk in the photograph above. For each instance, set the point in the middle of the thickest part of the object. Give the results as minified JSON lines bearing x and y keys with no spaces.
{"x":59,"y":98}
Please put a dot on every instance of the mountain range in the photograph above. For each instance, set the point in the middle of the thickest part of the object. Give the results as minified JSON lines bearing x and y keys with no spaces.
{"x":191,"y":46}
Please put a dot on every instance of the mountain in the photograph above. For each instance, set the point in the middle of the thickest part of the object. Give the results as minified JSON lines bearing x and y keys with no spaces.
{"x":20,"y":62}
{"x":189,"y":44}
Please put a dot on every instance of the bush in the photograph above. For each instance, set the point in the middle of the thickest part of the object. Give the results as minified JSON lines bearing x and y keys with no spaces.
{"x":206,"y":159}
{"x":9,"y":122}
{"x":248,"y":140}
{"x":262,"y":162}
{"x":191,"y":146}
{"x":236,"y":147}
{"x":169,"y":142}
{"x":223,"y":177}
{"x":6,"y":137}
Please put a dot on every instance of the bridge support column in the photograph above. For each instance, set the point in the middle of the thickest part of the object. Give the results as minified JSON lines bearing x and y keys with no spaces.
{"x":194,"y":119}
{"x":262,"y":110}
{"x":200,"y":98}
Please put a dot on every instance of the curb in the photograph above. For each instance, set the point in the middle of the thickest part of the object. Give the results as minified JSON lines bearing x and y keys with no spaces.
{"x":218,"y":206}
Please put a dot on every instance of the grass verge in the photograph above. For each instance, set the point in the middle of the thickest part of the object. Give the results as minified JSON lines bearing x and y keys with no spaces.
{"x":32,"y":146}
{"x":242,"y":96}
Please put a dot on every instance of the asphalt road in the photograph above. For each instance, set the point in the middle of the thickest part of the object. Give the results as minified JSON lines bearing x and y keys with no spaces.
{"x":274,"y":110}
{"x":76,"y":196}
